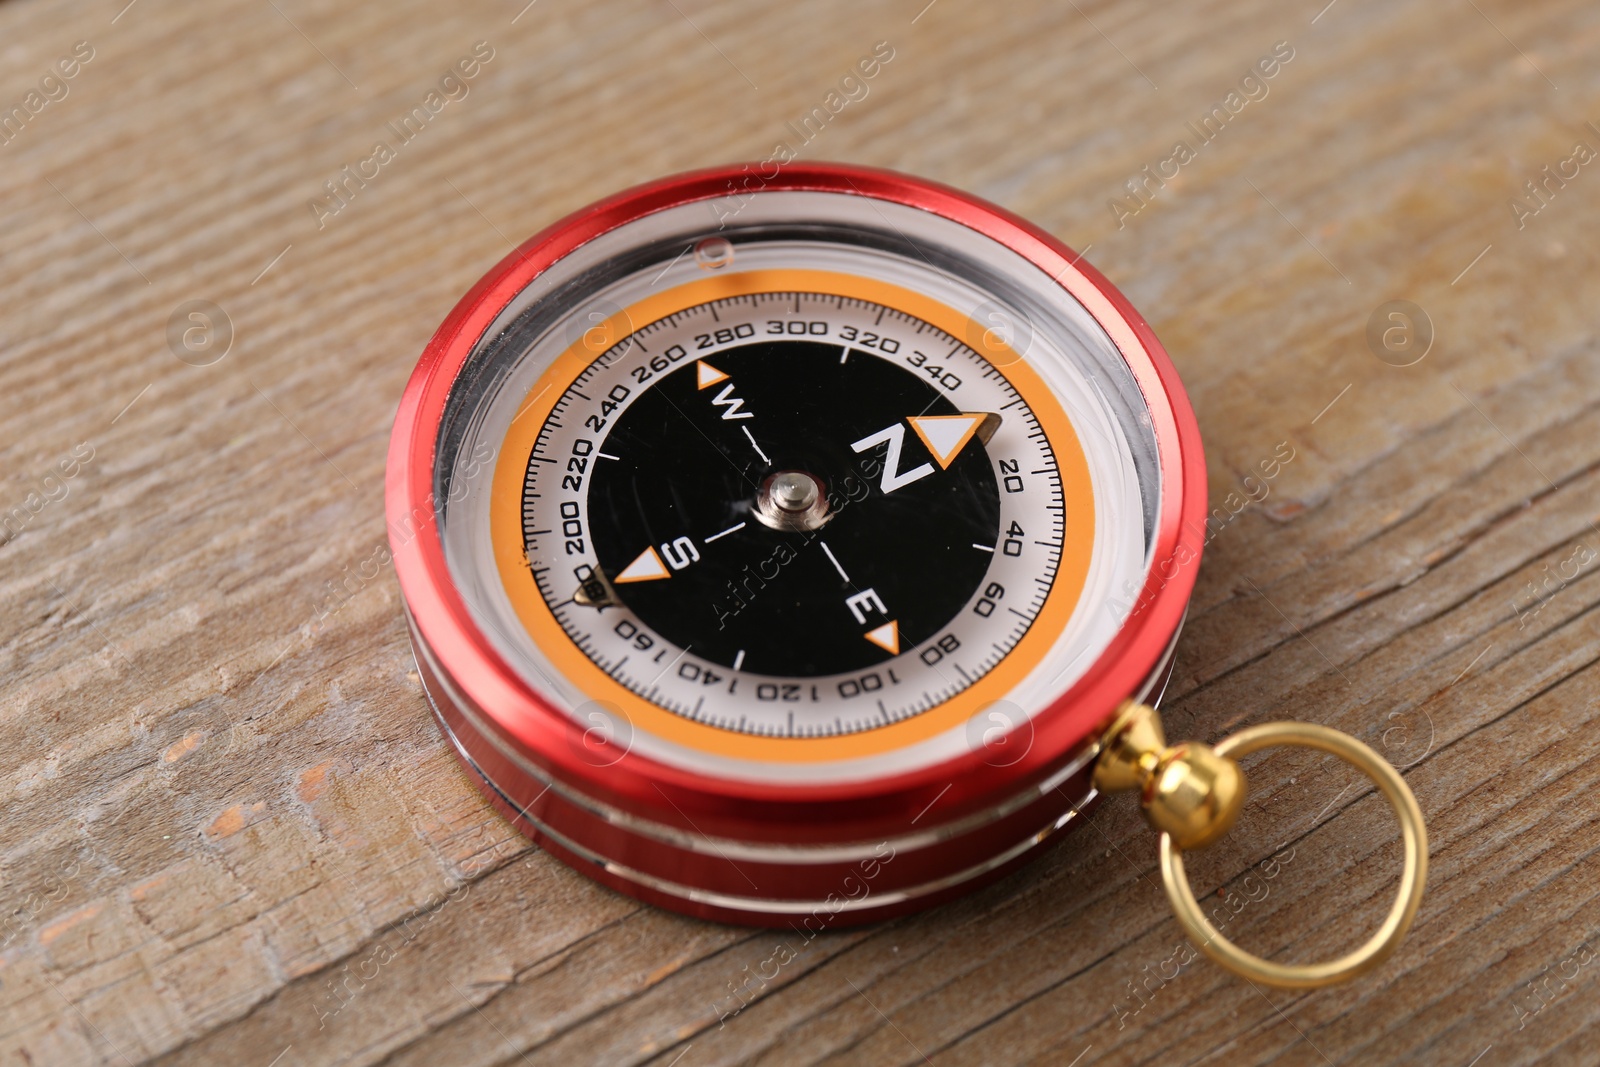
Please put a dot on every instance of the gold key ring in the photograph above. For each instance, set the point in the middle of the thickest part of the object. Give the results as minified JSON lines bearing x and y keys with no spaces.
{"x":1193,"y":793}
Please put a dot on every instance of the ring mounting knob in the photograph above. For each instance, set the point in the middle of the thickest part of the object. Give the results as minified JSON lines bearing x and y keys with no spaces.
{"x":1192,"y":794}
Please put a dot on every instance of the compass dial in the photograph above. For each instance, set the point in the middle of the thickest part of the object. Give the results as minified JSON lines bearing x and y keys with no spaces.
{"x":797,"y":514}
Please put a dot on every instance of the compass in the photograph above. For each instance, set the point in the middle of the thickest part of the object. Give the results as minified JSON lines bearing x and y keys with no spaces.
{"x":781,"y":551}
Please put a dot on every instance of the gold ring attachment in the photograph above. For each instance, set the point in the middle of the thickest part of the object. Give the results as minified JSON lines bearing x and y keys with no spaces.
{"x":1193,"y":793}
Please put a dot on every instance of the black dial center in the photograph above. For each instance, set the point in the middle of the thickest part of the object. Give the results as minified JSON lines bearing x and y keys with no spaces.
{"x":685,"y":464}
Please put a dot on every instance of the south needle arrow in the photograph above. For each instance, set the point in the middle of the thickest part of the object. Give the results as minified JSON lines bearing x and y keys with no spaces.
{"x":646,"y":567}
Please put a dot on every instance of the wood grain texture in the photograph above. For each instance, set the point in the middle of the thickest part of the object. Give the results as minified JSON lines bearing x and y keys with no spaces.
{"x":231,"y":833}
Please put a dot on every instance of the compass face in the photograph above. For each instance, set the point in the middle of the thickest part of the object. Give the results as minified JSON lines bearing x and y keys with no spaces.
{"x":809,"y":509}
{"x":884,"y":585}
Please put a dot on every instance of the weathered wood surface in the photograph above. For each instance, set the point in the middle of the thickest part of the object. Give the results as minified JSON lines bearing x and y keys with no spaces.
{"x":219,"y":807}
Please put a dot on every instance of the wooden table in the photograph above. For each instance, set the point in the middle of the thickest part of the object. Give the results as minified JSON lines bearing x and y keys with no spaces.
{"x":233,"y":835}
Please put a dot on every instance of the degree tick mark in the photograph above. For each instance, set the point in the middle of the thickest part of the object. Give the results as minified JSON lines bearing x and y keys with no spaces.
{"x":831,"y":559}
{"x":752,"y":439}
{"x":725,"y":533}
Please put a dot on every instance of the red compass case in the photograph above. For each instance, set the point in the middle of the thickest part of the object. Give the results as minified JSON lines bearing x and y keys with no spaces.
{"x":777,"y":545}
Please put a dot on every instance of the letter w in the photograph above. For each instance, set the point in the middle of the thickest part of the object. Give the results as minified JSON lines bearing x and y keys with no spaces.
{"x":726,"y":399}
